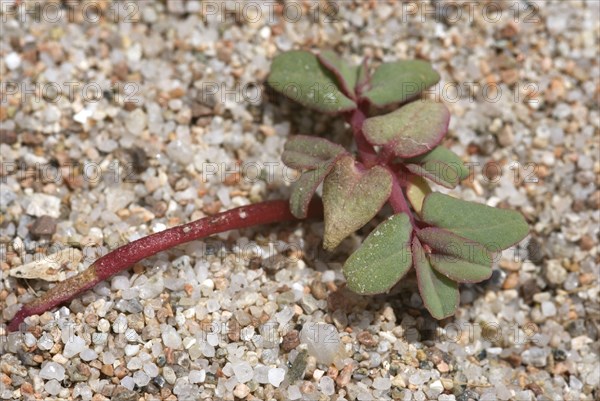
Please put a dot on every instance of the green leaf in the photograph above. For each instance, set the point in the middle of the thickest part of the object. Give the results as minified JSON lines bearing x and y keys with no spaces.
{"x":410,"y":131}
{"x":399,"y":81}
{"x":383,"y":258}
{"x":441,"y":166}
{"x":299,"y":75}
{"x":316,"y":155}
{"x":308,"y":152}
{"x":305,"y":188}
{"x":351,"y":198}
{"x":346,"y":74}
{"x":439,"y":293}
{"x":416,"y":191}
{"x":455,"y":257}
{"x":494,"y":228}
{"x":362,"y":75}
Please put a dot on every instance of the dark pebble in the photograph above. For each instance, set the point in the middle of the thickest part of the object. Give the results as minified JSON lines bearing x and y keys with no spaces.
{"x":528,"y":290}
{"x":125,"y":395}
{"x":151,"y":388}
{"x":290,"y":341}
{"x":161,"y":361}
{"x":559,"y":355}
{"x":159,"y":381}
{"x":8,"y":137}
{"x":43,"y":226}
{"x":577,"y":328}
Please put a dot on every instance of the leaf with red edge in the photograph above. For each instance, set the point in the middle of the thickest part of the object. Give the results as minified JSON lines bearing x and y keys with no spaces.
{"x":410,"y":131}
{"x":441,"y":166}
{"x":351,"y":198}
{"x":362,"y":76}
{"x":383,"y":258}
{"x":346,"y":74}
{"x":300,"y":76}
{"x":400,"y":81}
{"x":306,"y":186}
{"x":457,"y":258}
{"x":440,"y":294}
{"x":308,"y":152}
{"x":494,"y":228}
{"x":316,"y":157}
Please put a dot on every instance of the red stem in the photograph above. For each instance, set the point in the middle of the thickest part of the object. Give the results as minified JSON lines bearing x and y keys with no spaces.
{"x":366,"y":152}
{"x":398,"y":201}
{"x":124,"y":257}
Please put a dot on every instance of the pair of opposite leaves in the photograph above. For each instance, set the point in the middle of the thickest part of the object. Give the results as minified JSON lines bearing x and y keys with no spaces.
{"x":326,"y":83}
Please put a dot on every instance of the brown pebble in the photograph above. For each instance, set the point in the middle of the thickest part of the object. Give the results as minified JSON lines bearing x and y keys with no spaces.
{"x":121,"y":371}
{"x":107,"y":370}
{"x":578,"y":206}
{"x":510,"y":265}
{"x":290,"y":341}
{"x":492,"y":170}
{"x":443,"y":367}
{"x":267,"y":130}
{"x":43,"y":226}
{"x":8,"y":137}
{"x":509,"y":30}
{"x":318,"y":290}
{"x":212,"y":208}
{"x":367,"y":339}
{"x":344,"y":376}
{"x":176,"y":93}
{"x":201,"y":110}
{"x":537,"y":390}
{"x":512,"y":280}
{"x":233,"y":330}
{"x":333,"y":372}
{"x":587,"y":278}
{"x":307,"y":388}
{"x":130,"y":106}
{"x":232,"y":179}
{"x":506,"y":137}
{"x":32,"y":139}
{"x":529,"y":289}
{"x":5,"y":380}
{"x":510,"y":77}
{"x":514,"y":360}
{"x":593,"y":201}
{"x":26,"y":388}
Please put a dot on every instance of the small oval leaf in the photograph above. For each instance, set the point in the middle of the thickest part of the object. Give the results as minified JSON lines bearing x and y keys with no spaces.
{"x":441,"y":166}
{"x":440,"y":294}
{"x":300,"y":76}
{"x":345,"y":73}
{"x":416,"y":191}
{"x":410,"y":131}
{"x":400,"y":81}
{"x":496,"y":229}
{"x":308,"y":152}
{"x":457,"y":258}
{"x":383,"y":258}
{"x":305,"y":188}
{"x":351,"y":198}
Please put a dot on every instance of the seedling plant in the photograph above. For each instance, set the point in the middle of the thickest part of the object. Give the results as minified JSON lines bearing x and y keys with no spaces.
{"x":446,"y":240}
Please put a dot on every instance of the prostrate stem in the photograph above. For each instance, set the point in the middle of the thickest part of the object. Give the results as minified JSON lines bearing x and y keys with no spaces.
{"x":124,"y":257}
